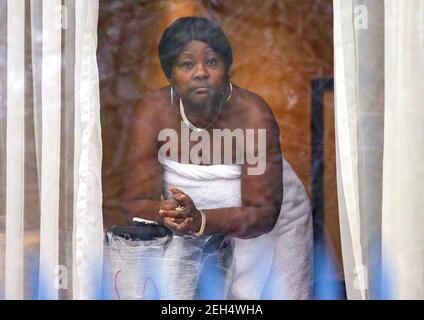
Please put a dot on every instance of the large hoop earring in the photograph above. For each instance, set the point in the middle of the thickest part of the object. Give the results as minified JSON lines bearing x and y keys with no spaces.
{"x":172,"y":94}
{"x":231,"y":91}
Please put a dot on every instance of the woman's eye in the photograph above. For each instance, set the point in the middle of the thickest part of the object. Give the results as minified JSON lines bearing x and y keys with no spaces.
{"x":212,"y":62}
{"x":187,"y":65}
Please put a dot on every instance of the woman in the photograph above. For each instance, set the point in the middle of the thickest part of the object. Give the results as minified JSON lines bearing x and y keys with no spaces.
{"x":213,"y":189}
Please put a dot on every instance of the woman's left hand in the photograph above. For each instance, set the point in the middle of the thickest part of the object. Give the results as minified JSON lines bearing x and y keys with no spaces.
{"x":187,"y":221}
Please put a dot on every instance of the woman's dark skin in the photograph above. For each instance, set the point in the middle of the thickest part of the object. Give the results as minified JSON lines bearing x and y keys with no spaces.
{"x":198,"y":66}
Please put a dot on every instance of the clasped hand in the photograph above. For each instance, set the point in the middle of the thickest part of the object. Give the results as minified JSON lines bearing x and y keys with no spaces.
{"x":187,"y":221}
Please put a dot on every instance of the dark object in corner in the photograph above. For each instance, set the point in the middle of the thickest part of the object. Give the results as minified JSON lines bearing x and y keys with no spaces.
{"x":139,"y":231}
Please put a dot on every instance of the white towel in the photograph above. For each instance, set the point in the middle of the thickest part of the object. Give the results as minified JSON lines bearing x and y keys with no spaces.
{"x":291,"y":274}
{"x":276,"y":265}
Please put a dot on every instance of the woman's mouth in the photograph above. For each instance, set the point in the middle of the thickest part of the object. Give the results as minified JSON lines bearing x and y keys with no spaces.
{"x":201,"y":90}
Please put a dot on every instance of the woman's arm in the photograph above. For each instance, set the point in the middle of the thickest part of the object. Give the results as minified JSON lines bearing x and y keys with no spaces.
{"x":143,"y":172}
{"x":261,"y":195}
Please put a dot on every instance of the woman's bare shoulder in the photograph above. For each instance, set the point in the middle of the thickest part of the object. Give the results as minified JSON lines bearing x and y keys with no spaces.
{"x":253,"y":108}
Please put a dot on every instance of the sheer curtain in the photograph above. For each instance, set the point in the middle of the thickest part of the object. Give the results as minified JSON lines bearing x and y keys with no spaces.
{"x":50,"y":182}
{"x":379,"y":78}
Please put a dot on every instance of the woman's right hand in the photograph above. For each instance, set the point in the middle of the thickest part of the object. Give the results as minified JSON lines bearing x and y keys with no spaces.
{"x":176,"y":222}
{"x":170,"y":205}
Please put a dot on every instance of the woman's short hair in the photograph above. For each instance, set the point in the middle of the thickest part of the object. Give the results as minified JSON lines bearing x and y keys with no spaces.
{"x":187,"y":29}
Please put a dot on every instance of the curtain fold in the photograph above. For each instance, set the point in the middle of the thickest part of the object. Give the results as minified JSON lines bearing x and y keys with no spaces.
{"x":50,"y":148}
{"x":88,"y":155}
{"x":347,"y":143}
{"x":15,"y":149}
{"x":3,"y":121}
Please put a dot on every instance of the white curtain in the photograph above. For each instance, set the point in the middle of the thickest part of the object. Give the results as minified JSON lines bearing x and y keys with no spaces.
{"x":50,"y":179}
{"x":403,"y":172}
{"x":88,"y":155}
{"x":379,"y":79}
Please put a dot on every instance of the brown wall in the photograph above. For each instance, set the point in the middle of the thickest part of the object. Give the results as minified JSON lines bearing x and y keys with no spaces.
{"x":278,"y":45}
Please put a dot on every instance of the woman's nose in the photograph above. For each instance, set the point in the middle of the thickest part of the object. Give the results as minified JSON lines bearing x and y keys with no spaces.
{"x":201,"y":71}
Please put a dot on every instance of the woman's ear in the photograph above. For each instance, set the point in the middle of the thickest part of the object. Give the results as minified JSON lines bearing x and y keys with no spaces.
{"x":171,"y":81}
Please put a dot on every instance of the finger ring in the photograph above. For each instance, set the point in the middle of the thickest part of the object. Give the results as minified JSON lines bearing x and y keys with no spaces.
{"x":180,"y":209}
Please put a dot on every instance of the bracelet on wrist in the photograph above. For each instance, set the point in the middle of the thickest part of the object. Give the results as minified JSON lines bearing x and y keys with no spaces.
{"x":202,"y":225}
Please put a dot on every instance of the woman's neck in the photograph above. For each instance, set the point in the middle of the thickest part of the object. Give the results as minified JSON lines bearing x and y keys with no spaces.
{"x":202,"y":115}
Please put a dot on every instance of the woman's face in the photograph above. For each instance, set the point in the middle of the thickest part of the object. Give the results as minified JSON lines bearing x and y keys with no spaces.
{"x":198,"y":74}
